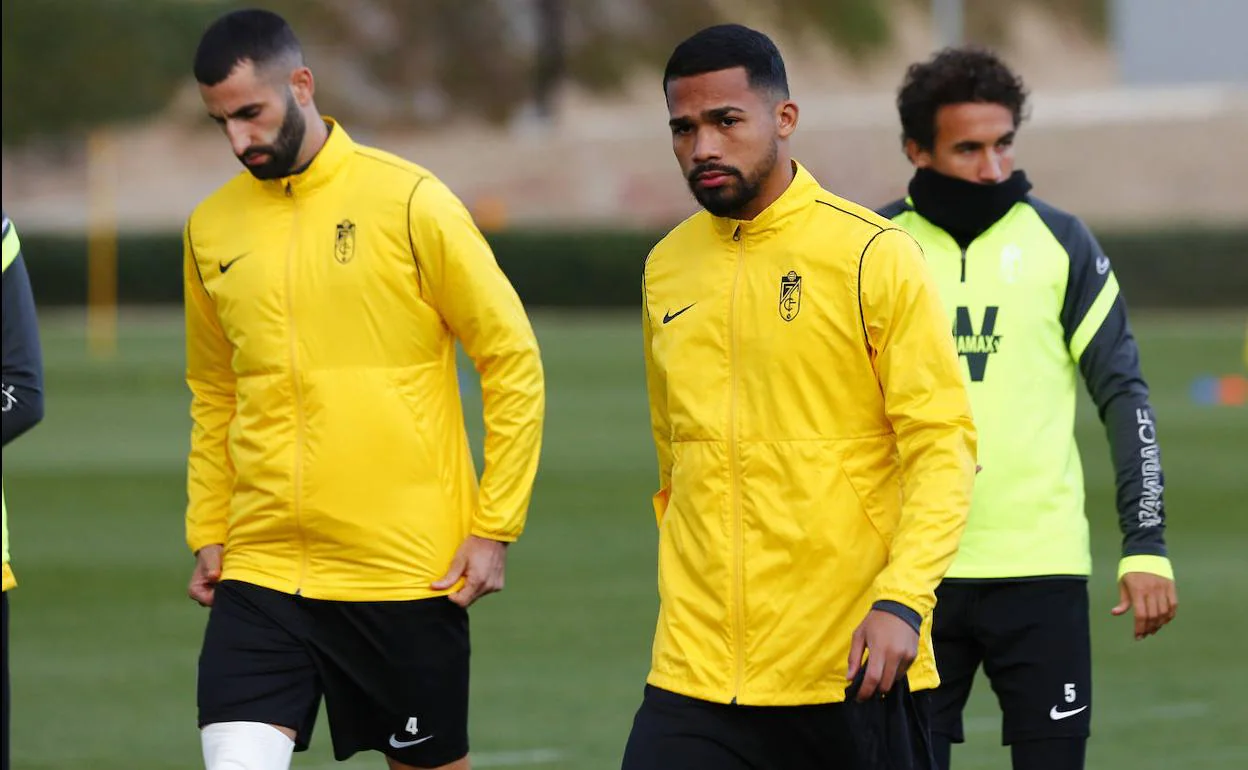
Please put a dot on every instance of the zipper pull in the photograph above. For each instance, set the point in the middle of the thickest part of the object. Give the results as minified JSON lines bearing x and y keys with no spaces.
{"x":289,"y":192}
{"x":736,"y":234}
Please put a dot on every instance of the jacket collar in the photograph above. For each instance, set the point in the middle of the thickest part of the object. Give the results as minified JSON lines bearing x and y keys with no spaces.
{"x":800,"y":193}
{"x":325,"y":165}
{"x":965,"y":210}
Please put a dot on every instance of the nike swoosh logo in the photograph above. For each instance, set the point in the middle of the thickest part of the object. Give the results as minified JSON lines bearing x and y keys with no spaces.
{"x":669,"y":316}
{"x":1057,"y":715}
{"x":223,"y":266}
{"x":398,"y":744}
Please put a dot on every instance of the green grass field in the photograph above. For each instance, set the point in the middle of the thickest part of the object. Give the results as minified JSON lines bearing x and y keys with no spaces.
{"x":104,"y":640}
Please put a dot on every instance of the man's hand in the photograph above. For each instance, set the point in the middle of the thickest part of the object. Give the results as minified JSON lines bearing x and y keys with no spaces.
{"x":1153,"y":597}
{"x":206,"y":575}
{"x":481,"y":563}
{"x":893,"y":645}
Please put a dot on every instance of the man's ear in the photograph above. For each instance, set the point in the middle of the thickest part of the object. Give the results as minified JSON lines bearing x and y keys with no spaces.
{"x":920,"y":157}
{"x":786,"y":118}
{"x":303,"y":85}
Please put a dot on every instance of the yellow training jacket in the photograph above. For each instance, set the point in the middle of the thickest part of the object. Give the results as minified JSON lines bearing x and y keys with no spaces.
{"x":328,"y":451}
{"x":816,"y":449}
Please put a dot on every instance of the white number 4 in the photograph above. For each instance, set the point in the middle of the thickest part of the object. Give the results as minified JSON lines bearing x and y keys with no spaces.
{"x":411,"y":722}
{"x":1070,"y":694}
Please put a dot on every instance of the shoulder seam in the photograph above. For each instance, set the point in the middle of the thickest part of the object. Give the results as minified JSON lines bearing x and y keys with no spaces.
{"x":852,"y":214}
{"x":392,"y":164}
{"x":862,"y":317}
{"x":411,"y":240}
{"x":190,"y":244}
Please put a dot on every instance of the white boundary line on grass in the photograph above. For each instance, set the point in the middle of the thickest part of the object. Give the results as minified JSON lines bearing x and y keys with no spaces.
{"x":518,"y":758}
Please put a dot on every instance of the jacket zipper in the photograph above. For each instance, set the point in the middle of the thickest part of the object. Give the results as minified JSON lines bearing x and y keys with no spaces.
{"x":963,"y":279}
{"x":738,"y":613}
{"x":298,"y":389}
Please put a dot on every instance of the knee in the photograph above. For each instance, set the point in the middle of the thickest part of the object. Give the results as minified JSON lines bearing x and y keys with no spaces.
{"x":246,"y":746}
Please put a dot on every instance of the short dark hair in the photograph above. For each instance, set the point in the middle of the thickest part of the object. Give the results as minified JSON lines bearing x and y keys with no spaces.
{"x":955,"y":76}
{"x":250,"y":35}
{"x":727,"y":46}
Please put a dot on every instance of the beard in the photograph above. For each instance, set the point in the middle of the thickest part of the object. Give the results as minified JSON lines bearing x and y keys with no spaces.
{"x":730,"y":198}
{"x":284,"y":152}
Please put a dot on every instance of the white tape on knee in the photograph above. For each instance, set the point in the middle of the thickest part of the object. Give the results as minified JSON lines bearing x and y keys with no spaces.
{"x":245,"y":746}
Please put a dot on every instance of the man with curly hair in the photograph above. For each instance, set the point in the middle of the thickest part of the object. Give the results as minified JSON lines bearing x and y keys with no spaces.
{"x":1034,"y":304}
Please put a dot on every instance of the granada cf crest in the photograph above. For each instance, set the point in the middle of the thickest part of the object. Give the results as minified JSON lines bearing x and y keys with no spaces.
{"x":344,"y":241}
{"x":790,"y":295}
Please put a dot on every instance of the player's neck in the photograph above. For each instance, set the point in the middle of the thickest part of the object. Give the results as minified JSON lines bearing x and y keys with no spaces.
{"x":772,"y":188}
{"x":315,"y":138}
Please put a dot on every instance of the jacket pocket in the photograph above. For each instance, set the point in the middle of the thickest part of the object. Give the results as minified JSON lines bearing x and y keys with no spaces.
{"x":806,"y":516}
{"x":871,"y":472}
{"x":660,"y":501}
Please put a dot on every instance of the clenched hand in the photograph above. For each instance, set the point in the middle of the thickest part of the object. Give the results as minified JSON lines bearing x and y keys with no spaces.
{"x":893,"y":645}
{"x":481,"y":563}
{"x":206,"y":574}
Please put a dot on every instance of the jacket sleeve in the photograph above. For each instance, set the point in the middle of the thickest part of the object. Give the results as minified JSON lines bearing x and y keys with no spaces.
{"x":926,"y":402}
{"x":210,"y":376}
{"x":656,"y":388}
{"x":23,"y":357}
{"x":1094,"y":318}
{"x":463,"y":282}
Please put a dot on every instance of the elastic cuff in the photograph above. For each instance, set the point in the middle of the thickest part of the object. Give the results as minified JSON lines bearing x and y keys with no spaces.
{"x":204,"y":540}
{"x":500,"y":537}
{"x":1153,"y":565}
{"x":912,"y":618}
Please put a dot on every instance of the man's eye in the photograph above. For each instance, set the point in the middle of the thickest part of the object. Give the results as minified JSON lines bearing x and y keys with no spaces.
{"x":729,"y":122}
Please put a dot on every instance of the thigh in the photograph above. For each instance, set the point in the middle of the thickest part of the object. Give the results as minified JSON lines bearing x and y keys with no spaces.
{"x":1038,"y":658}
{"x":395,"y":677}
{"x":254,"y":666}
{"x":958,"y":655}
{"x":1050,"y":754}
{"x":674,"y":732}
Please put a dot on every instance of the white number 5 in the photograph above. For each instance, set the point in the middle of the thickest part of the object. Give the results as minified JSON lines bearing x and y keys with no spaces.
{"x":1070,"y":692}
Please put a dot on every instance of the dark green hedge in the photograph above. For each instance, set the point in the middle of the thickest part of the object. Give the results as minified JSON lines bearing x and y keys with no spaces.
{"x":1169,"y":269}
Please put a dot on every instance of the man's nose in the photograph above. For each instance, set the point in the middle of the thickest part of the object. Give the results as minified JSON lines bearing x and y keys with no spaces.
{"x":240,"y":137}
{"x":706,"y":146}
{"x":991,"y":168}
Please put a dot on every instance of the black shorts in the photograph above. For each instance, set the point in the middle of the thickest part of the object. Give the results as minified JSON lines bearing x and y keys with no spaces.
{"x":394,"y":675}
{"x":1033,"y":640}
{"x":675,"y":732}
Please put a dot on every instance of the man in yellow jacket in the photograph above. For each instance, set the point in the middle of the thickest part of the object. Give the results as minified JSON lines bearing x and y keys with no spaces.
{"x":815,"y":444}
{"x":334,"y":509}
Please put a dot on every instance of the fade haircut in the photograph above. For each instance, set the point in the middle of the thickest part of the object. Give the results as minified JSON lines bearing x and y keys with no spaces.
{"x":955,"y":76}
{"x":728,"y":46}
{"x":261,"y":37}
